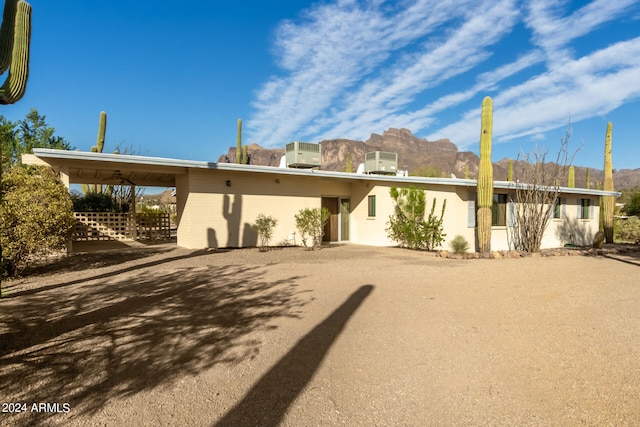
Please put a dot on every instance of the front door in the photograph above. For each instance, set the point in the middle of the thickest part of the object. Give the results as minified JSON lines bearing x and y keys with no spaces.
{"x":345,"y":208}
{"x":331,"y":227}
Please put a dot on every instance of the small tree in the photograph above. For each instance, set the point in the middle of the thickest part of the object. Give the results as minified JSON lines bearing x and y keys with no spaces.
{"x":310,"y":224}
{"x":408,"y":226}
{"x":36,"y":216}
{"x":536,"y":191}
{"x":632,"y":207}
{"x":264,"y":227}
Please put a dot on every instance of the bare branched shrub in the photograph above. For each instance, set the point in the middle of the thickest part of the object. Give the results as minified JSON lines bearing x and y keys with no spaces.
{"x":537,"y":185}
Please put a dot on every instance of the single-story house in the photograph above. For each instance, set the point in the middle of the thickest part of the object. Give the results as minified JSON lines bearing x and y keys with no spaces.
{"x":218,"y":202}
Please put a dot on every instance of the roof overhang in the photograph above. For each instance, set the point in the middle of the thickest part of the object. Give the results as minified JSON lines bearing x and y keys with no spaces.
{"x":101,"y":168}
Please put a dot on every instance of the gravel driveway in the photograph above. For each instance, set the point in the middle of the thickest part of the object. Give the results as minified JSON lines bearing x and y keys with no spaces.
{"x":347,"y":335}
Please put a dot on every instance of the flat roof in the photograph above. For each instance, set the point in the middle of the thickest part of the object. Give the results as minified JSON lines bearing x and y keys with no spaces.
{"x":103,"y":168}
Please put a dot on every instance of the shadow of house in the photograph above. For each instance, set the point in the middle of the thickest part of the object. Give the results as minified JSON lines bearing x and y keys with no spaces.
{"x":117,"y":336}
{"x":268,"y":401}
{"x":574,"y":231}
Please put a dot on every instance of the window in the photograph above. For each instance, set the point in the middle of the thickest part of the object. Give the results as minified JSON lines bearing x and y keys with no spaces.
{"x":585,"y":204}
{"x":372,"y":206}
{"x":499,"y":210}
{"x":558,"y":210}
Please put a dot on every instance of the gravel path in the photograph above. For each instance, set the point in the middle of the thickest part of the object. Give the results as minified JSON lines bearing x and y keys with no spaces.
{"x":348,"y":335}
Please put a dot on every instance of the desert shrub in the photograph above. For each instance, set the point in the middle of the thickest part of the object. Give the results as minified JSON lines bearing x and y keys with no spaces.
{"x":264,"y":227}
{"x":459,"y":245}
{"x":36,"y":216}
{"x":93,"y":202}
{"x":310,"y":224}
{"x":408,"y":226}
{"x":632,"y":207}
{"x":630,"y":229}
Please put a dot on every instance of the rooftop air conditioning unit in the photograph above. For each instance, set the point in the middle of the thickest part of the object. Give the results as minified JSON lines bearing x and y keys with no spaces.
{"x":381,"y":162}
{"x":303,"y":155}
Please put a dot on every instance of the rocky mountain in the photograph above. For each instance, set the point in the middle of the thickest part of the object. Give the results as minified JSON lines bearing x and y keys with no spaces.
{"x":417,"y":155}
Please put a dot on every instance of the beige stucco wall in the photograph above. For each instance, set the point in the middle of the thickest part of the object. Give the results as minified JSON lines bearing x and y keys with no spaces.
{"x":212,"y":214}
{"x":560,"y":231}
{"x":216,"y":215}
{"x":371,"y":230}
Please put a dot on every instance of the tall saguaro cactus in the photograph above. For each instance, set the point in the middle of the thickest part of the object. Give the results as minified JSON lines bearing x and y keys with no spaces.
{"x":588,"y":178}
{"x":510,"y":171}
{"x":485,"y":177}
{"x":102,"y":130}
{"x":607,"y":201}
{"x":239,"y":142}
{"x":571,"y":178}
{"x":15,"y":37}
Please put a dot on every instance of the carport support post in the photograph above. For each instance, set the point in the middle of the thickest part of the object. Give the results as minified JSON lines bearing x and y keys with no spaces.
{"x":63,"y":173}
{"x":132,"y":211}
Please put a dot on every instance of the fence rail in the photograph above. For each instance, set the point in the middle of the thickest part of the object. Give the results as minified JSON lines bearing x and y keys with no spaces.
{"x":121,"y":226}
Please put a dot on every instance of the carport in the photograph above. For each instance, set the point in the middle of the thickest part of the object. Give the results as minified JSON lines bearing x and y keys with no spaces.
{"x":75,"y":167}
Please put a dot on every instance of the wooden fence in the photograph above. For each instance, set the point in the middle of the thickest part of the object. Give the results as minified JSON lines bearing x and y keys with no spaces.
{"x":121,"y":226}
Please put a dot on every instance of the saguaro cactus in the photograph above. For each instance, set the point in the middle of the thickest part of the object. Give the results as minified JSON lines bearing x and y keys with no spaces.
{"x":607,"y":201}
{"x":15,"y":37}
{"x":571,"y":178}
{"x":102,"y":130}
{"x":485,"y":177}
{"x":510,"y":171}
{"x":239,"y":142}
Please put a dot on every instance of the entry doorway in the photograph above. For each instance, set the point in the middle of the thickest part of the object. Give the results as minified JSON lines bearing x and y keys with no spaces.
{"x":337,"y":228}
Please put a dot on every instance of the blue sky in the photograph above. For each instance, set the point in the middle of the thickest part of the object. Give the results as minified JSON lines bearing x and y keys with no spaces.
{"x":175,"y":77}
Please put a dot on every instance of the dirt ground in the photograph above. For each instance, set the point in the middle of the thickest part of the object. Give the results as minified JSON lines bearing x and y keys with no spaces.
{"x":347,"y":335}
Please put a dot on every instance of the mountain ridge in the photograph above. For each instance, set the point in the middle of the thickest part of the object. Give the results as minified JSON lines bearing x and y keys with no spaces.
{"x":419,"y":156}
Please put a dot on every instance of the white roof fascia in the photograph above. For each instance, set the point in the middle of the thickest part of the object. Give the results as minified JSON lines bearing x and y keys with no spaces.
{"x":49,"y":153}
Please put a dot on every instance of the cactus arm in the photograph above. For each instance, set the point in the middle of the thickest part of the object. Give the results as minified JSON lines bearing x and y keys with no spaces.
{"x":485,"y":178}
{"x":16,"y":83}
{"x":6,"y":34}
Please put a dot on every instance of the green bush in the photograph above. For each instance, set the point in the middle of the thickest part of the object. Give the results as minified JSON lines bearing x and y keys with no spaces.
{"x":408,"y":226}
{"x":629,"y":229}
{"x":459,"y":245}
{"x":310,"y":224}
{"x":632,"y":207}
{"x":93,"y":202}
{"x":264,"y":227}
{"x":36,"y":216}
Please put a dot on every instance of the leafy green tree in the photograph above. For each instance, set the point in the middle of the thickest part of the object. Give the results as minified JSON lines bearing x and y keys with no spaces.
{"x":25,"y":135}
{"x":36,"y":216}
{"x":632,"y":207}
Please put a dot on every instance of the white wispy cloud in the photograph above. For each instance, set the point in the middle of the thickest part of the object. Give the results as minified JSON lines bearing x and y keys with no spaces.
{"x":586,"y":87}
{"x":354,"y":67}
{"x":334,"y":47}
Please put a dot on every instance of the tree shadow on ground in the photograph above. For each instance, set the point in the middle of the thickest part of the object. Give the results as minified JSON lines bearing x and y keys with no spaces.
{"x":121,"y":335}
{"x":84,"y":261}
{"x":270,"y":398}
{"x":113,"y":258}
